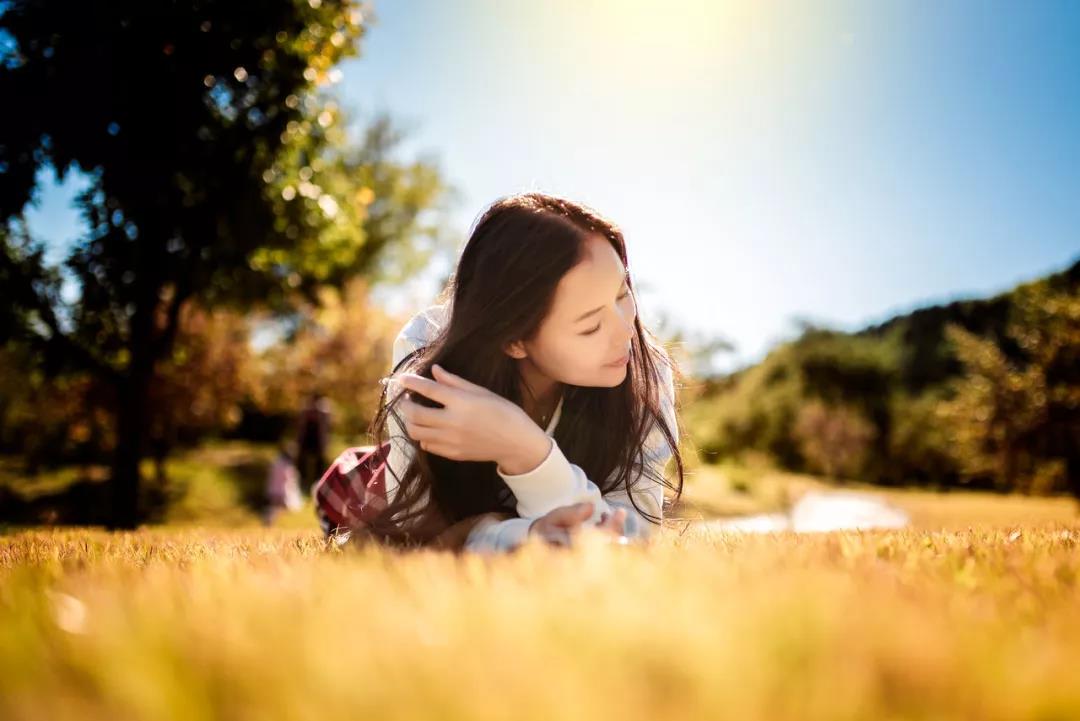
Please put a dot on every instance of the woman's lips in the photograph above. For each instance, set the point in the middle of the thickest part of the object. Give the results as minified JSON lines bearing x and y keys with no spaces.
{"x":621,"y":361}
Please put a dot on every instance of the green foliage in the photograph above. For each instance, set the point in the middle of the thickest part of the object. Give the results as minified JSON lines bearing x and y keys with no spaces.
{"x":220,"y":174}
{"x":49,"y":419}
{"x":1018,"y":422}
{"x":919,"y":449}
{"x":995,"y":407}
{"x":758,"y":408}
{"x":834,"y":440}
{"x":213,"y":110}
{"x":983,"y":393}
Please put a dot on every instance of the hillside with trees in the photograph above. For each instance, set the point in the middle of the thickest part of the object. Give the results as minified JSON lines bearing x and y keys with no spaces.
{"x":976,"y":393}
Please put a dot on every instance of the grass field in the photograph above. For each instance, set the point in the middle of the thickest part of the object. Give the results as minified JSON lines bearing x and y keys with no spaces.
{"x":188,"y":623}
{"x":973,"y":612}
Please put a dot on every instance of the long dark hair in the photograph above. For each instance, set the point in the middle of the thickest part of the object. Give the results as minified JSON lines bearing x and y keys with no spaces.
{"x":501,"y":291}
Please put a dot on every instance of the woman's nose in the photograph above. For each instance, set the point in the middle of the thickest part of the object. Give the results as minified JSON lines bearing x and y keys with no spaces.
{"x":626,"y":324}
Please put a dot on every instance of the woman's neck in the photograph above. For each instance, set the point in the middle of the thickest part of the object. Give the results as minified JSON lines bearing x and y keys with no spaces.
{"x":540,"y":394}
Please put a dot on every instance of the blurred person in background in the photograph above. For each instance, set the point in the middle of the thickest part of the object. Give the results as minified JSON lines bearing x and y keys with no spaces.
{"x":312,"y":436}
{"x":282,"y":485}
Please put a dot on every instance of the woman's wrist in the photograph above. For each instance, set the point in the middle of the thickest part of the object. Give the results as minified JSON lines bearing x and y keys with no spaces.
{"x":528,"y":453}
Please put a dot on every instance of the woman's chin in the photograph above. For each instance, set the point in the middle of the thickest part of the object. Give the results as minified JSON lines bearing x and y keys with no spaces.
{"x":606,"y":377}
{"x":613,"y":376}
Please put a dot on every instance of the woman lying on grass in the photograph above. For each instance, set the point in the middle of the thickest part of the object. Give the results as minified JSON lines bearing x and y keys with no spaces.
{"x":533,"y":402}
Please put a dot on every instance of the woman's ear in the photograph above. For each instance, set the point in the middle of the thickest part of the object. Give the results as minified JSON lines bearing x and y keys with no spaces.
{"x":515,"y":349}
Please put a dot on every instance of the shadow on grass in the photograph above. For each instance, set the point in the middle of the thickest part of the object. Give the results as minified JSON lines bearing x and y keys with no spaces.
{"x":82,"y":503}
{"x":218,"y":483}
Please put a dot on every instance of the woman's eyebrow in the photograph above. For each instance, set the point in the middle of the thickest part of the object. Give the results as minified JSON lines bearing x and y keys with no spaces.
{"x":583,"y":316}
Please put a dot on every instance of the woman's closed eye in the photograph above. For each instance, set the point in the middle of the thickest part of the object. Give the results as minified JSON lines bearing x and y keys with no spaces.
{"x":593,"y":330}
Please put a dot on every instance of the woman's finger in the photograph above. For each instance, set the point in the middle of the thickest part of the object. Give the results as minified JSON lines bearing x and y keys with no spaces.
{"x":559,"y":537}
{"x":419,"y":433}
{"x":441,"y":437}
{"x":618,"y":521}
{"x":438,"y":392}
{"x":444,"y":376}
{"x":422,"y":415}
{"x":571,"y":516}
{"x":440,"y":449}
{"x":553,"y":535}
{"x":614,"y":521}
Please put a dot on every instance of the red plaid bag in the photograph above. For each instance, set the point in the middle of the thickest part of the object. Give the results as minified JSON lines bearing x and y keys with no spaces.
{"x":352,"y":490}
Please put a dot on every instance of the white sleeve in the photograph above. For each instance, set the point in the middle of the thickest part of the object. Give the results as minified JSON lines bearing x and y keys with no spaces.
{"x":490,"y":536}
{"x":557,"y":482}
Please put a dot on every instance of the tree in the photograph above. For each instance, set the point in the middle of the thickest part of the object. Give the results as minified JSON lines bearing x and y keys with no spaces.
{"x":1016,"y":419}
{"x":341,"y":349}
{"x":1045,"y":322}
{"x":50,"y":419}
{"x":920,"y":449}
{"x":215,"y":175}
{"x":834,"y":440}
{"x":200,"y":386}
{"x":996,"y":407}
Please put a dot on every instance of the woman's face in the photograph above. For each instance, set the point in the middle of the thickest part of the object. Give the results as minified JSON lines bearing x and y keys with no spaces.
{"x":591,"y":323}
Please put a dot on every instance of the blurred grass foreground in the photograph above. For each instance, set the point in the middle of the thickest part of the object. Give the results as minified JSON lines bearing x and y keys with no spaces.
{"x":172,"y":623}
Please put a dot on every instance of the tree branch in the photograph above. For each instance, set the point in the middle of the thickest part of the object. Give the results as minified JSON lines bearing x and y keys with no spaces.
{"x":69,"y":345}
{"x":181,"y":292}
{"x":29,"y":299}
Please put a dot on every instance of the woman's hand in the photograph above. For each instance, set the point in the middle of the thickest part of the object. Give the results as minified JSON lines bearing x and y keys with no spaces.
{"x":559,"y":525}
{"x":474,"y":423}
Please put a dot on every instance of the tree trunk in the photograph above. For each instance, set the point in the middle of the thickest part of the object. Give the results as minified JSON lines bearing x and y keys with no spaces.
{"x":131,"y":420}
{"x":133,"y":416}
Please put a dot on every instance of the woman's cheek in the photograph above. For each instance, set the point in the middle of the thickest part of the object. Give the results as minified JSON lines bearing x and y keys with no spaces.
{"x":598,"y":354}
{"x":585,"y":358}
{"x":566,"y":362}
{"x":631,"y":309}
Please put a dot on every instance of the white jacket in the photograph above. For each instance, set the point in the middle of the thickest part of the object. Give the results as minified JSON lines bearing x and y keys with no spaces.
{"x":556,"y":481}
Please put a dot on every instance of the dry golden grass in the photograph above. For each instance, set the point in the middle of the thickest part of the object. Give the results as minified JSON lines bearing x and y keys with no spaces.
{"x":252,"y":624}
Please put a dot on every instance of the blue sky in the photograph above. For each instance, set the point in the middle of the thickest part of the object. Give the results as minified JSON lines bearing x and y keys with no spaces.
{"x":840,"y":162}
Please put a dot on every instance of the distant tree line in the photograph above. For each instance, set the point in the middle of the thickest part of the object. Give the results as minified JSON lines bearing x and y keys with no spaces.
{"x":981,"y":393}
